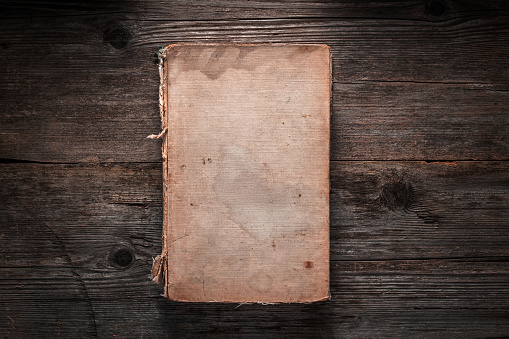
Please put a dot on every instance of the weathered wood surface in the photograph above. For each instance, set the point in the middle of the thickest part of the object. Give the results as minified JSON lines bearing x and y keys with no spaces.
{"x":170,"y":10}
{"x":419,"y":248}
{"x":415,"y":246}
{"x":411,"y":89}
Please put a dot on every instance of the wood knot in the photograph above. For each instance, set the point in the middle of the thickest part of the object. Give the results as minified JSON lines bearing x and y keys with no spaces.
{"x":435,"y":8}
{"x":118,"y":37}
{"x":397,"y":195}
{"x":122,"y":258}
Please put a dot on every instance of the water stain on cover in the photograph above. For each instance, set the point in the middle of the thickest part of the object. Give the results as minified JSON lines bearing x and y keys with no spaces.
{"x":213,"y":60}
{"x":247,"y":187}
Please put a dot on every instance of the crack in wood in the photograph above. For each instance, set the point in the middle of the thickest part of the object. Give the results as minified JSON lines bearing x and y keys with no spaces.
{"x":75,"y":273}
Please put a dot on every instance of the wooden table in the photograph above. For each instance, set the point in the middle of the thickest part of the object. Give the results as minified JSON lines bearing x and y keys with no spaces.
{"x":419,"y":171}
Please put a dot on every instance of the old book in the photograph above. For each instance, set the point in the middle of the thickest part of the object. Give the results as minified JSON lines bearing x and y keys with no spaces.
{"x":246,"y":172}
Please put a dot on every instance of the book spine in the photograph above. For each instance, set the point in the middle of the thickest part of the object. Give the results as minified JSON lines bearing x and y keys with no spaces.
{"x":160,"y":263}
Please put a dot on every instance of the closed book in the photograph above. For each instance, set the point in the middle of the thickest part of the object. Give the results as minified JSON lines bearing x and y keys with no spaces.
{"x":246,"y":172}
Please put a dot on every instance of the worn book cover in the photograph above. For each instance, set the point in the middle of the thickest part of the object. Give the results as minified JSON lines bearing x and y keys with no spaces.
{"x":246,"y":172}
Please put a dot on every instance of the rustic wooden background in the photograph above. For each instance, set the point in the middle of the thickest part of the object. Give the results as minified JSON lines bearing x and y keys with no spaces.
{"x":419,"y":170}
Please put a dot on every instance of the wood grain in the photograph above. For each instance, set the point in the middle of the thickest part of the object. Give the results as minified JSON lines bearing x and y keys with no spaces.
{"x":413,"y":243}
{"x":403,"y":90}
{"x":370,"y":121}
{"x":168,"y":10}
{"x":419,"y":247}
{"x":418,"y":210}
{"x":379,"y":210}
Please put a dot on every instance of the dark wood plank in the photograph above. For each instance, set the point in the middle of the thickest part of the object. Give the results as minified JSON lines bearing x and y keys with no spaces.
{"x":371,"y":121}
{"x":389,"y":299}
{"x":395,"y":210}
{"x":464,"y":50}
{"x":398,"y":121}
{"x":416,"y":248}
{"x":381,"y":109}
{"x":434,"y":10}
{"x":379,"y":210}
{"x":471,"y":48}
{"x":441,"y":194}
{"x":67,"y":231}
{"x":81,"y":88}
